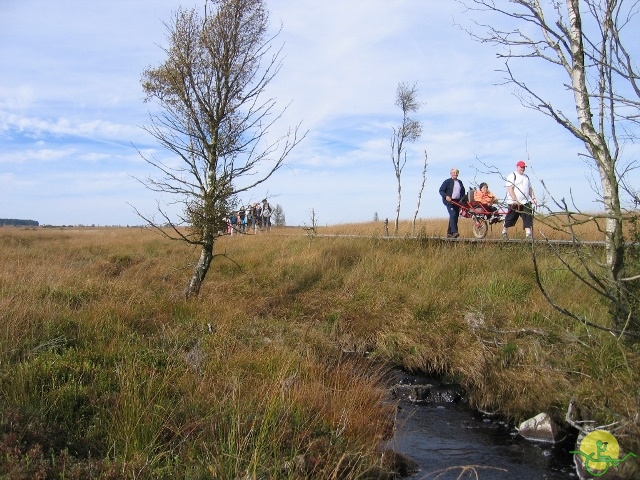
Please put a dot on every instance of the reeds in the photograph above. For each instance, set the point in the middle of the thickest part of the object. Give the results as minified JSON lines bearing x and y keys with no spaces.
{"x":277,"y":369}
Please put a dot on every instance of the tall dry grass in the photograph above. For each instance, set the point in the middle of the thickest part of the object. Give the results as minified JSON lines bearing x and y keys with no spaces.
{"x":108,"y":372}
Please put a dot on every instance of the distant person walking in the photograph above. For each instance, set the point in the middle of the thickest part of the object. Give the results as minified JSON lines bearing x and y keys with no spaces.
{"x":258,"y":223}
{"x":234,"y":222}
{"x":252,"y":216}
{"x":452,"y":189}
{"x":242,"y":213}
{"x":266,"y":215}
{"x":520,"y":197}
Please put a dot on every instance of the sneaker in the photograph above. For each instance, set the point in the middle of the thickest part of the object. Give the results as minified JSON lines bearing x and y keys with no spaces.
{"x":455,"y":235}
{"x":504,"y":236}
{"x":528,"y":235}
{"x":494,"y":219}
{"x":449,"y":235}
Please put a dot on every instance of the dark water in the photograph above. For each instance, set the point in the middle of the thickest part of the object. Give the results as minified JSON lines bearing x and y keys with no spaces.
{"x":443,"y":438}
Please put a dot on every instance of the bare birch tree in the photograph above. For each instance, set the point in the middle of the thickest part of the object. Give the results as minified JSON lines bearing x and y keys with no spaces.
{"x":590,"y":41}
{"x":409,"y":130}
{"x":420,"y":191}
{"x":215,"y":120}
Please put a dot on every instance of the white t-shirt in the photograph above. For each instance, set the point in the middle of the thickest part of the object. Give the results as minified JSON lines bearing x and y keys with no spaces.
{"x":521,"y":187}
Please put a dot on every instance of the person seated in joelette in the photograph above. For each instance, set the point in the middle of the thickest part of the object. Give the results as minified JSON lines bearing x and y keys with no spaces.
{"x":485,"y":197}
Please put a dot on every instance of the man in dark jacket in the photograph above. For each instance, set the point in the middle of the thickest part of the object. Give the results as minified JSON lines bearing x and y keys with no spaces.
{"x":452,"y":189}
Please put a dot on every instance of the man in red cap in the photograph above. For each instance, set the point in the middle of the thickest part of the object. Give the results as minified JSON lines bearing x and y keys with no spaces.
{"x":520,"y":197}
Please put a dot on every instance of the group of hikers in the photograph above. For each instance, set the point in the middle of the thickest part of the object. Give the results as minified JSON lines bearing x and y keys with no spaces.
{"x":249,"y":218}
{"x":520,"y":198}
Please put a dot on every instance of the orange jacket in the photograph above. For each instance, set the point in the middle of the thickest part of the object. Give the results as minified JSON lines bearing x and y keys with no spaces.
{"x":484,"y":198}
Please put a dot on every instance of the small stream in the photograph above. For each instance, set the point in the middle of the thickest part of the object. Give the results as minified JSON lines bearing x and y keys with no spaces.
{"x":444,"y":436}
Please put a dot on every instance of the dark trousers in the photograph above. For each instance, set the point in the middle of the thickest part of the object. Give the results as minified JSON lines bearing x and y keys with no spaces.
{"x":516,"y":211}
{"x":490,"y":208}
{"x":454,"y":212}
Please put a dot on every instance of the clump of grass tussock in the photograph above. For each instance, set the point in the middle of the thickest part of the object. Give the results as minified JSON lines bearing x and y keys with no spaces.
{"x":256,"y":376}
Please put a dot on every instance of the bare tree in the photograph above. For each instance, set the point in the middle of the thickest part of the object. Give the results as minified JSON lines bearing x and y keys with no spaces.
{"x":214,"y":120}
{"x":424,"y":181}
{"x":409,"y":131}
{"x":588,"y":40}
{"x":312,"y":230}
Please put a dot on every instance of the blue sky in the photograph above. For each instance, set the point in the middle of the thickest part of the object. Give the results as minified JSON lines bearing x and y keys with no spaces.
{"x":71,"y":108}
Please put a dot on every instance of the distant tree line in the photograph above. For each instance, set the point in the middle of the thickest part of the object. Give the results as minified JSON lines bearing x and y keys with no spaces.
{"x":17,"y":222}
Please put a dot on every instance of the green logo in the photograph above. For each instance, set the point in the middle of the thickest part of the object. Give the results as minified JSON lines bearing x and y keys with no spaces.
{"x":599,"y":451}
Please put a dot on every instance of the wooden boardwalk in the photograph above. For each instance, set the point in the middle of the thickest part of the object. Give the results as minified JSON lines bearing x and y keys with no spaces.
{"x":535,"y":241}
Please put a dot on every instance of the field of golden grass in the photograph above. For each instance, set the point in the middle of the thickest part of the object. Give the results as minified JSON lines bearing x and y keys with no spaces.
{"x":277,"y":369}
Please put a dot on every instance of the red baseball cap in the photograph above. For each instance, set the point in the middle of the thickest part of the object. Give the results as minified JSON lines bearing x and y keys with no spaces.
{"x":521,"y":164}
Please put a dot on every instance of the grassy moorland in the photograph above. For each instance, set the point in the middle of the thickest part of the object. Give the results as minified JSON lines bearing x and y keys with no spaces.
{"x":107,"y":372}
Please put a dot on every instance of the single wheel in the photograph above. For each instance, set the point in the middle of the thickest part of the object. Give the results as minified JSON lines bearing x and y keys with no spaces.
{"x":480,"y":227}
